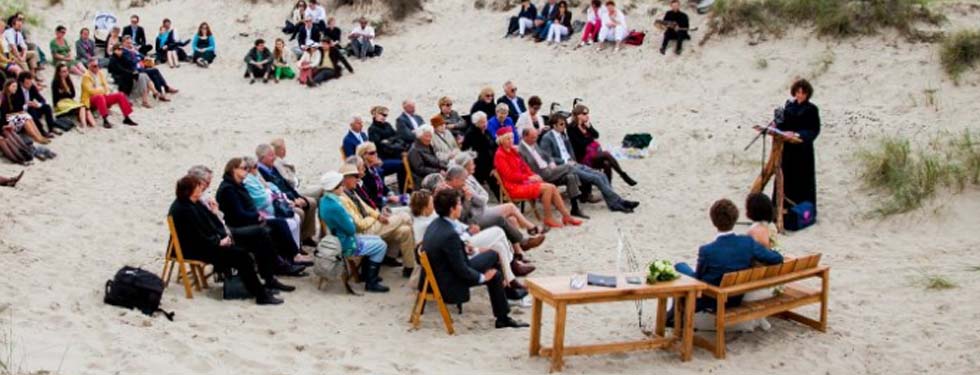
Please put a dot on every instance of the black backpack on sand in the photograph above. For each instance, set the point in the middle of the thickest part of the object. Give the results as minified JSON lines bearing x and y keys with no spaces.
{"x":135,"y":288}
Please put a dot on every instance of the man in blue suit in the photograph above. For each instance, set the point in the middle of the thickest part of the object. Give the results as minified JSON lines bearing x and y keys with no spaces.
{"x":728,"y":253}
{"x":514,"y":103}
{"x":408,"y":122}
{"x":355,"y":136}
{"x":543,"y":23}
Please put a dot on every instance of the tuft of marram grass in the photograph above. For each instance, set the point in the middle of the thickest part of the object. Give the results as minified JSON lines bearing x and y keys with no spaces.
{"x":909,"y":178}
{"x":830,"y":18}
{"x":960,"y":52}
{"x":935,"y":282}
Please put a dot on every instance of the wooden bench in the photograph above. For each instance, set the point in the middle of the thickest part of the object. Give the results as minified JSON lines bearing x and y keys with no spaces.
{"x":505,"y":197}
{"x":793,"y":295}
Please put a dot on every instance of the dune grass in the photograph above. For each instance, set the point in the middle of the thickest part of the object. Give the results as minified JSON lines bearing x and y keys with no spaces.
{"x":960,"y":52}
{"x":908,"y":179}
{"x":935,"y":282}
{"x":829,"y":18}
{"x":400,"y":9}
{"x":9,"y":7}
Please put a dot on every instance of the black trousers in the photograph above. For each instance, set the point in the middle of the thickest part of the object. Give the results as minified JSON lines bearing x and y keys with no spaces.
{"x":255,"y":239}
{"x":157,"y":78}
{"x":282,"y":238}
{"x":45,"y":113}
{"x":145,"y":49}
{"x":498,"y":300}
{"x":325,"y":74}
{"x":672,"y":34}
{"x":238,"y":258}
{"x":259,"y":71}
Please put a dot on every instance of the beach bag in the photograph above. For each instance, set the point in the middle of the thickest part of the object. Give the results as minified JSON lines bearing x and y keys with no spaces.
{"x":635,"y":38}
{"x":234,"y":288}
{"x":376,"y":52}
{"x":639,"y":140}
{"x":327,"y":257}
{"x":800,"y":216}
{"x":135,"y":288}
{"x":282,"y":209}
{"x":577,"y":27}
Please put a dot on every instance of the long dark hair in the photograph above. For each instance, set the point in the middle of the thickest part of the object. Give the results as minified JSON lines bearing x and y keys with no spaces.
{"x":203,"y":25}
{"x":65,"y":84}
{"x":7,"y":100}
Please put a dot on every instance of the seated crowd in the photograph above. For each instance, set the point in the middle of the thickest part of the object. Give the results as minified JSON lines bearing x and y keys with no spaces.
{"x":320,"y":53}
{"x":472,"y":236}
{"x":604,"y":23}
{"x":30,"y":120}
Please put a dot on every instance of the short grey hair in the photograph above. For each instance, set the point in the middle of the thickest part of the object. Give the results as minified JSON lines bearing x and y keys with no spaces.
{"x":200,"y":171}
{"x":354,"y":159}
{"x":356,"y":118}
{"x":463,"y":158}
{"x":424,"y":129}
{"x":250,"y":162}
{"x":456,"y":172}
{"x":477,"y":117}
{"x":262,"y":149}
{"x":432,"y":181}
{"x":502,"y":107}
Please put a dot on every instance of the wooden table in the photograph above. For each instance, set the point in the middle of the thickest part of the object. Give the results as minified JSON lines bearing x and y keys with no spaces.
{"x":557,"y":292}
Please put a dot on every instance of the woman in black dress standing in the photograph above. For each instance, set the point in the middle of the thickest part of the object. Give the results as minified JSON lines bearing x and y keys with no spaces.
{"x":802,"y":119}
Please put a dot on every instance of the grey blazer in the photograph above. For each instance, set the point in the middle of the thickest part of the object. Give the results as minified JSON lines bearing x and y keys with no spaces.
{"x":405,"y":129}
{"x":529,"y":159}
{"x":549,"y":145}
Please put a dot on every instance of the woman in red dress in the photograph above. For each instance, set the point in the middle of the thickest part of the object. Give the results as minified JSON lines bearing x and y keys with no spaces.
{"x":521,"y":183}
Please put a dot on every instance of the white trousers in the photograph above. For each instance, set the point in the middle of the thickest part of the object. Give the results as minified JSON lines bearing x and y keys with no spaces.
{"x":495,"y":239}
{"x":556,"y":32}
{"x":616,"y":34}
{"x":523,"y":24}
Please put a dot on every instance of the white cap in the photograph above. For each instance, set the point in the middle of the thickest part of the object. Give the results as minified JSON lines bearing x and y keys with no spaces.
{"x":331,"y":180}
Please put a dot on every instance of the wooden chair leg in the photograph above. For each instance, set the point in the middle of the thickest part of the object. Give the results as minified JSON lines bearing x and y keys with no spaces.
{"x":416,"y":317}
{"x":182,"y":273}
{"x":167,"y":271}
{"x":202,"y":277}
{"x":720,"y":329}
{"x":824,"y":296}
{"x":446,"y":318}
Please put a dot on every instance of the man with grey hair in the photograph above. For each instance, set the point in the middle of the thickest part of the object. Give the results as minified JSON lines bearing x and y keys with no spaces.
{"x":288,"y":171}
{"x":306,"y":205}
{"x":408,"y":121}
{"x":355,"y":135}
{"x":422,"y":156}
{"x":205,"y":174}
{"x":514,"y":103}
{"x":433,"y":182}
{"x":542,"y":165}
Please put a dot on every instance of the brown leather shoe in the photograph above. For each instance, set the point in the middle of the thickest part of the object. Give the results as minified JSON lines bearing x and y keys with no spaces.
{"x":521,"y":269}
{"x":530,"y":243}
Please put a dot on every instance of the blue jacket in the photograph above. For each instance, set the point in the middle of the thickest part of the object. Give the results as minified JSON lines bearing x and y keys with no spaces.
{"x":494,"y":124}
{"x":340,"y":223}
{"x":351,"y":142}
{"x":530,"y":13}
{"x":731,"y":253}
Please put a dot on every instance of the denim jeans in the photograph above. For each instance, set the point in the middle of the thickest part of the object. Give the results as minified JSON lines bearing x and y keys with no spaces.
{"x":372,"y":247}
{"x":592,"y":177}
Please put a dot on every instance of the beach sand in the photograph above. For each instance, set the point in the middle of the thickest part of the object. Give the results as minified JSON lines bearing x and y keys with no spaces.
{"x":72,"y":222}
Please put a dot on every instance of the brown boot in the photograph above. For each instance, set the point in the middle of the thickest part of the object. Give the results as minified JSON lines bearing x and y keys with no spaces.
{"x":530,"y":243}
{"x":521,"y":269}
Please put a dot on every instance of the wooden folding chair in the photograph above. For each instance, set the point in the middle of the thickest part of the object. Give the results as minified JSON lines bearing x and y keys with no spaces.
{"x":505,"y":197}
{"x":409,"y":181}
{"x":349,"y":274}
{"x":429,"y":292}
{"x":175,"y":257}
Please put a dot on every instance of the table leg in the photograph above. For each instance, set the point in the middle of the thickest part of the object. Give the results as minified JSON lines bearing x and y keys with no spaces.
{"x":535,"y":327}
{"x":678,"y":307}
{"x":661,"y":317}
{"x":687,"y":346}
{"x":558,"y":346}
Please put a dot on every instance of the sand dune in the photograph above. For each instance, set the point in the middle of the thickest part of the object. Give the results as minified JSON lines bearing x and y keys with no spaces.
{"x":73,"y":222}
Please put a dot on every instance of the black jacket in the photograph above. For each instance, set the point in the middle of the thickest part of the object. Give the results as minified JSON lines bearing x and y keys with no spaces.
{"x":235,"y":203}
{"x":337,"y":58}
{"x":481,"y":106}
{"x":14,"y":105}
{"x":199,"y":231}
{"x":480,"y":142}
{"x":315,"y":32}
{"x":423,"y":160}
{"x":123,"y":73}
{"x":272,"y":176}
{"x":450,"y":266}
{"x":390,"y":145}
{"x":58,"y":92}
{"x":140,"y":35}
{"x":580,"y":141}
{"x":333,"y":33}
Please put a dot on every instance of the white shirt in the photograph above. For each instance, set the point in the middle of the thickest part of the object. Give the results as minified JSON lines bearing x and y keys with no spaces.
{"x":309,"y":37}
{"x":525,"y":120}
{"x":316,"y":13}
{"x":420,"y":224}
{"x":565,"y":156}
{"x":516,"y":106}
{"x":415,"y":124}
{"x":14,"y":39}
{"x":607,"y":20}
{"x":357,"y":135}
{"x":723,"y":234}
{"x":367,"y":31}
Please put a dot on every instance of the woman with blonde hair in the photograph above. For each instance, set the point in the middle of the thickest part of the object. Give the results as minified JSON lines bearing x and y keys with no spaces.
{"x":453,"y":121}
{"x":484,"y":103}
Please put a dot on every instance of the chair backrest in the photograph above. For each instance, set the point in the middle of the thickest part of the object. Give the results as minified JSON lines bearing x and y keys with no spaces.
{"x":409,"y":181}
{"x":764,"y":272}
{"x":504,"y":196}
{"x":173,"y":248}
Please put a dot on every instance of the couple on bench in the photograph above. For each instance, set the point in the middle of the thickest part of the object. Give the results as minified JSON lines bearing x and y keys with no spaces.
{"x":731,"y":252}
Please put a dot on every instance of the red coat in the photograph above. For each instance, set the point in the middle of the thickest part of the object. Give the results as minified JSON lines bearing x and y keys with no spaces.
{"x":515,"y":175}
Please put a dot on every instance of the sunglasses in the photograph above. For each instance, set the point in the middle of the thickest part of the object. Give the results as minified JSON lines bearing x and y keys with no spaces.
{"x":372,"y":152}
{"x":448,"y":105}
{"x":488,"y":96}
{"x":383,"y":114}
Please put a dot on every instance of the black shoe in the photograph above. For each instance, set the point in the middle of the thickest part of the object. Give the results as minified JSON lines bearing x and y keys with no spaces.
{"x":515,"y":293}
{"x":629,"y":181}
{"x":372,"y":283}
{"x":678,"y":50}
{"x":630,"y":204}
{"x":106,"y":124}
{"x":407,"y":272}
{"x":391,"y":262}
{"x":268,"y":299}
{"x":509,"y":322}
{"x":621,"y":208}
{"x":273,"y":283}
{"x":663,"y":51}
{"x":274,"y":292}
{"x":129,"y":121}
{"x":293,"y":270}
{"x":578,"y":213}
{"x":305,"y":263}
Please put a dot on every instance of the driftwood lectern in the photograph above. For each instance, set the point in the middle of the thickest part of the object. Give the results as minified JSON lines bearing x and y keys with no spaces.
{"x":772,"y":167}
